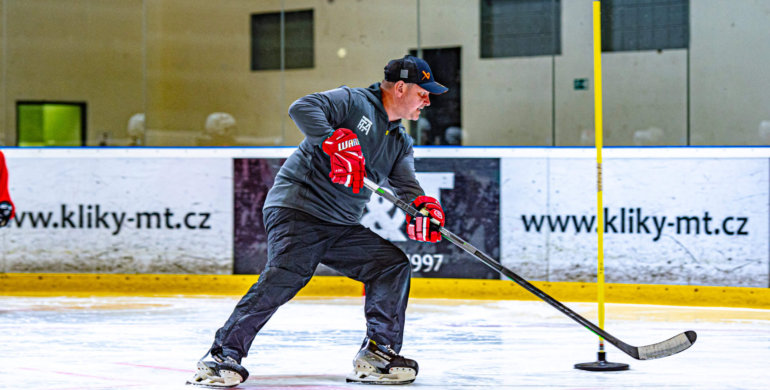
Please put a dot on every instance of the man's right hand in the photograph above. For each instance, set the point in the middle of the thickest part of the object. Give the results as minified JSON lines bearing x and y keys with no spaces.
{"x":347,"y":160}
{"x":6,"y":212}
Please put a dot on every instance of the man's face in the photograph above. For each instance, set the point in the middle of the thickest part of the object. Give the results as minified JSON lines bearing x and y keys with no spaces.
{"x":415,"y":98}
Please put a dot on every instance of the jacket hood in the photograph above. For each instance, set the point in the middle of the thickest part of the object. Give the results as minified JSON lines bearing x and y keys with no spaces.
{"x":374,"y":94}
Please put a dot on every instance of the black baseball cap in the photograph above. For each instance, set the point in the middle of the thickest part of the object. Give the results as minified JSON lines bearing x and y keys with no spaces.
{"x":413,"y":70}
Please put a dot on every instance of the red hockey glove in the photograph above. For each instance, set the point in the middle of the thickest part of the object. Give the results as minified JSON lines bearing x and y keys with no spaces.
{"x":421,"y":228}
{"x":348,"y":165}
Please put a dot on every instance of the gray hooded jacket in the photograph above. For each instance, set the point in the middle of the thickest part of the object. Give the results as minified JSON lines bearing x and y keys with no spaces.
{"x":303,"y":181}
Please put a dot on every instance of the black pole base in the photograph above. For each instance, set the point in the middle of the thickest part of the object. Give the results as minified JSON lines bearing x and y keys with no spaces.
{"x":601,"y":364}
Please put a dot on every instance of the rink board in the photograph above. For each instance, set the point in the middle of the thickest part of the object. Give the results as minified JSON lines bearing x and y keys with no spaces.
{"x":673,"y":216}
{"x":89,"y":285}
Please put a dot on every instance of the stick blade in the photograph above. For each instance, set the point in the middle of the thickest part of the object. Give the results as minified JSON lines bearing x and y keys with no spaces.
{"x":669,"y":347}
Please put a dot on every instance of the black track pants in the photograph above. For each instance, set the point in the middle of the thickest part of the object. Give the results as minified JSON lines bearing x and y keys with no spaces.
{"x":297,"y":243}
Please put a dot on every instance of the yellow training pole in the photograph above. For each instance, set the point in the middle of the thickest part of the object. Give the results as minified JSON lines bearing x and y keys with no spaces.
{"x":599,"y":139}
{"x":601,"y":364}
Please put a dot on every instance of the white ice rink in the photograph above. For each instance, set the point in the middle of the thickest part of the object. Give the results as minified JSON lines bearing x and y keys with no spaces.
{"x":154,"y":343}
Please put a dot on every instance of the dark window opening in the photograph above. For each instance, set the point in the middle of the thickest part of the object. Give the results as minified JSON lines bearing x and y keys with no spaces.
{"x":518,"y":28}
{"x":266,"y":40}
{"x":440,"y":123}
{"x":635,"y":25}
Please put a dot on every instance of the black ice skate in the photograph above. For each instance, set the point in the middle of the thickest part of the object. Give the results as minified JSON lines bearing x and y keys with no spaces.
{"x":380,"y":365}
{"x":224,"y":371}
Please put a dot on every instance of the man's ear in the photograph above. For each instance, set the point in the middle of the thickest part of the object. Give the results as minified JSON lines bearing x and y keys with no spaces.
{"x":400,"y":88}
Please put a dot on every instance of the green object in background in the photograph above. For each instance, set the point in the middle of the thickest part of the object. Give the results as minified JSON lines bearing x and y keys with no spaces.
{"x":50,"y":124}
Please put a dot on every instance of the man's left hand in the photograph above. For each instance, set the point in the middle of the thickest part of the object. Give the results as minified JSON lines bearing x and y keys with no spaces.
{"x":421,"y":228}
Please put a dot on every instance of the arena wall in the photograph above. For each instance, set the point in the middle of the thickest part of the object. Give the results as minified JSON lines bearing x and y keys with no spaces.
{"x":179,"y":61}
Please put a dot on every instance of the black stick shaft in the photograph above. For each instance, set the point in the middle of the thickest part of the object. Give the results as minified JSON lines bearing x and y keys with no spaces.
{"x":494,"y":264}
{"x":661,"y":349}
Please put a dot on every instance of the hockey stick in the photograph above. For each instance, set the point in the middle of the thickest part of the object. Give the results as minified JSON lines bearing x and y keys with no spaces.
{"x":669,"y":347}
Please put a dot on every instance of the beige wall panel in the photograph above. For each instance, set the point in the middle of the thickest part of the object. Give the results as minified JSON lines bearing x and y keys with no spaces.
{"x":448,"y":23}
{"x":575,"y":108}
{"x":78,"y":50}
{"x":197,"y":57}
{"x":645,"y":90}
{"x":505,"y":101}
{"x":199,"y":62}
{"x":5,"y":129}
{"x":730,"y":71}
{"x":508,"y":101}
{"x":641,"y":90}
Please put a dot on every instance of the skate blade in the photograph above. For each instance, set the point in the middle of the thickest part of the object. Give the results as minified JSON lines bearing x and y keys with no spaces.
{"x":210,"y":385}
{"x":207,"y":377}
{"x":395,"y":377}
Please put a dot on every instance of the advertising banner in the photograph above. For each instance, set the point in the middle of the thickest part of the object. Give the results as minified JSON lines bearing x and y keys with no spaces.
{"x":469,"y":191}
{"x":467,"y":188}
{"x":700,"y":221}
{"x":252,"y":179}
{"x":94,"y":212}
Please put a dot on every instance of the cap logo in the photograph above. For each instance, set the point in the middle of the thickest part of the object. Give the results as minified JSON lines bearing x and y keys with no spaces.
{"x":404,"y":73}
{"x":425,"y":75}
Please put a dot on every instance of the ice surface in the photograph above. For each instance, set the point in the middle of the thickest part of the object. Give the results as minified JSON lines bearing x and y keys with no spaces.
{"x":154,"y":342}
